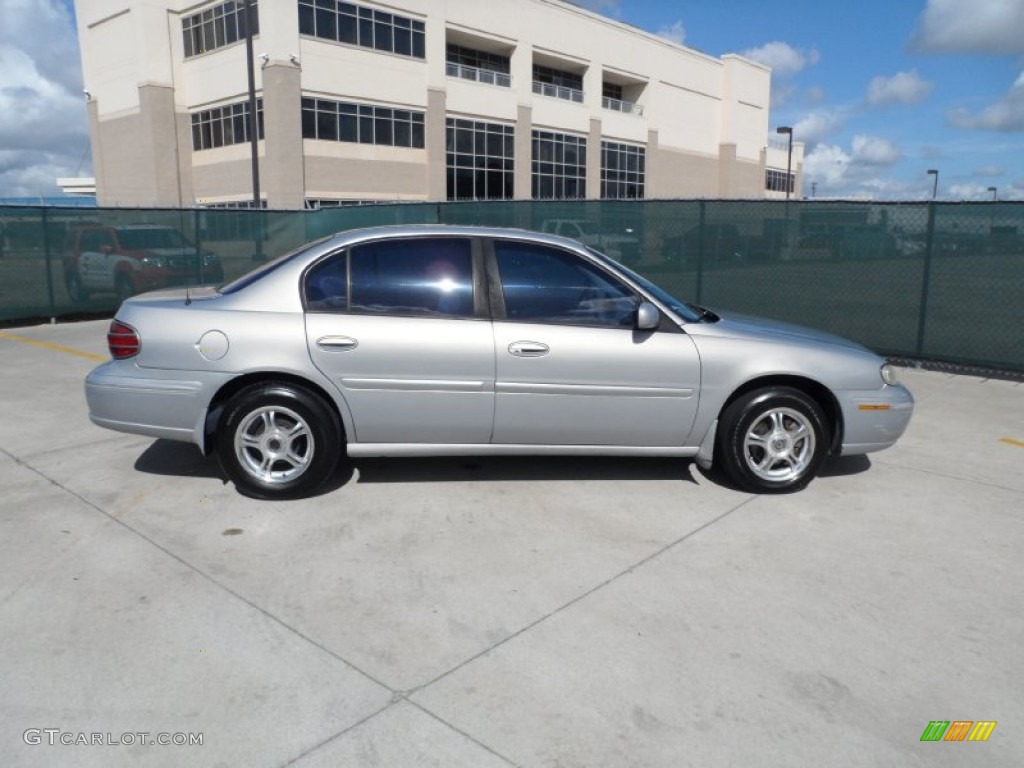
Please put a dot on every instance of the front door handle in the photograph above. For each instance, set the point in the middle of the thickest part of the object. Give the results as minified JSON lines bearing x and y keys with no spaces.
{"x":336,"y":343}
{"x":528,"y":349}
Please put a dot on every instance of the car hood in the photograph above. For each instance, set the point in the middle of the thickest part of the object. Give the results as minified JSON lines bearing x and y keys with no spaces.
{"x":738,"y":325}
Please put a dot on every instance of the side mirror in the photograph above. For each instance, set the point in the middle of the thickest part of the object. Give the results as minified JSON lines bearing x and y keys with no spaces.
{"x":648,"y":317}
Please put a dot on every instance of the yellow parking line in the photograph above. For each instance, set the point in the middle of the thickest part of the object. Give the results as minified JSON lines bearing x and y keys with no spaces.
{"x":55,"y":347}
{"x":1011,"y":441}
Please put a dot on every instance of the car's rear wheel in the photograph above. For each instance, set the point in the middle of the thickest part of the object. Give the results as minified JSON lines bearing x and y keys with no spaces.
{"x":278,"y":441}
{"x":772,"y":440}
{"x":73,"y":284}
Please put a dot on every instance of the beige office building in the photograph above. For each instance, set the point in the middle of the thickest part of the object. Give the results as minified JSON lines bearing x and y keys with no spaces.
{"x":416,"y":100}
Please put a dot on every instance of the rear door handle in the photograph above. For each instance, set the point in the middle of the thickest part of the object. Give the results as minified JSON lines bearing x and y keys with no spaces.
{"x":336,"y":343}
{"x":528,"y":349}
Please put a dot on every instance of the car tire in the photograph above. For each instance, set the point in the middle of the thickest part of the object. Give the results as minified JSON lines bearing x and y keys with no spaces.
{"x":278,"y":441}
{"x":772,"y":440}
{"x":76,"y":291}
{"x":123,"y":286}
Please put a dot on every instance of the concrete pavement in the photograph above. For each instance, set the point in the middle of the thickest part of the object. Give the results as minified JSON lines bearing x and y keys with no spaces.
{"x":496,"y":612}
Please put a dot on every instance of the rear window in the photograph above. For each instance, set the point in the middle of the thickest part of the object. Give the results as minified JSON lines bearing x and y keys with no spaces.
{"x":265,"y":269}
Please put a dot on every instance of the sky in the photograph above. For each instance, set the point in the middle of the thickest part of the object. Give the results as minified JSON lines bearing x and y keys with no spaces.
{"x":879,"y":91}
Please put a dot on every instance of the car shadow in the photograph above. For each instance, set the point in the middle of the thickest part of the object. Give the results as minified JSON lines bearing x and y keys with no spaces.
{"x":844,"y":466}
{"x":167,"y":457}
{"x":170,"y":458}
{"x":519,"y":468}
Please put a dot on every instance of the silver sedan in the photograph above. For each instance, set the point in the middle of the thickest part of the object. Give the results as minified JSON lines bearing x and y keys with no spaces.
{"x":437,"y":340}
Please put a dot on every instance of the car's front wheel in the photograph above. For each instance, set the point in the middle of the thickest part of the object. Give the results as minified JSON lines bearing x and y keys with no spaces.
{"x":772,"y":440}
{"x":278,"y":441}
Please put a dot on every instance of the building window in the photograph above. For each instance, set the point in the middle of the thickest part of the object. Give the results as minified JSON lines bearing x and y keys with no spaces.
{"x":481,"y":160}
{"x":559,"y":165}
{"x":366,"y":27}
{"x":484,"y":67}
{"x":223,"y":126}
{"x":611,"y":91}
{"x":361,"y":123}
{"x":775,"y":181}
{"x":548,"y":81}
{"x":216,"y":27}
{"x":623,"y":167}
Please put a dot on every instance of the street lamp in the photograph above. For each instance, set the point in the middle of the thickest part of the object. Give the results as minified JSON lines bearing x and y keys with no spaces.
{"x":935,"y":186}
{"x":993,"y":190}
{"x":786,"y":130}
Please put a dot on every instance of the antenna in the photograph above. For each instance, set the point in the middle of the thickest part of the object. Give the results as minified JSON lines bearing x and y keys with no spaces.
{"x":188,"y":298}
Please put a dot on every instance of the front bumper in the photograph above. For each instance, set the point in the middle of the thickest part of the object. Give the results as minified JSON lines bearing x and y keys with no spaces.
{"x":875,"y":419}
{"x":140,"y":401}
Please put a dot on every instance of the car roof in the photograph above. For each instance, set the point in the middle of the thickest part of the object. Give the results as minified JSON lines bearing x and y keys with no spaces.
{"x":446,"y":230}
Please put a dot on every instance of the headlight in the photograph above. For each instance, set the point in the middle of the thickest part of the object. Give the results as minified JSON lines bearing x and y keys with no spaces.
{"x":210,"y":258}
{"x":153,"y":261}
{"x":890,"y":374}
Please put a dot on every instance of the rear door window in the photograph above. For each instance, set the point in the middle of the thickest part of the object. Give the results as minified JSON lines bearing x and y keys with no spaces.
{"x":430,"y":276}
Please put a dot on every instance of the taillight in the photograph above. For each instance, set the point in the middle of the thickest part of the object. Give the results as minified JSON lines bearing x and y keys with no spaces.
{"x":123,"y":340}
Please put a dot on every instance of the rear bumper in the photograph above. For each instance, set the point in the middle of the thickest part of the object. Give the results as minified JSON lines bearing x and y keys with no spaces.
{"x":164,"y":404}
{"x":874,"y":420}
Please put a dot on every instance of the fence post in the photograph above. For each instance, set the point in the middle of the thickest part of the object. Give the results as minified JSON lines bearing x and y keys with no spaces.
{"x":49,"y":272}
{"x":926,"y":278}
{"x":700,"y":250}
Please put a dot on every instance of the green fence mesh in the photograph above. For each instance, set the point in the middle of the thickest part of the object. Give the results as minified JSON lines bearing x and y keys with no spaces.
{"x":941,"y":281}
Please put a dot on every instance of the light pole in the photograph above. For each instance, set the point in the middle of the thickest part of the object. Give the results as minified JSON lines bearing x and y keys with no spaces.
{"x":254,"y":131}
{"x":935,"y":186}
{"x":786,"y":130}
{"x":994,"y":192}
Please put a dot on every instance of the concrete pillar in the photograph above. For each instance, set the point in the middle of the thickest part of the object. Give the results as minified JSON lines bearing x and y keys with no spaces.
{"x":437,"y":144}
{"x":160,"y":145}
{"x":282,"y":172}
{"x":727,"y":171}
{"x":524,"y":153}
{"x":594,"y":160}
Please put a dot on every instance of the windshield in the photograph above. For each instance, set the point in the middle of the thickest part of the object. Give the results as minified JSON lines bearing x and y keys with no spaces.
{"x":144,"y":239}
{"x":688,"y":312}
{"x":265,"y":269}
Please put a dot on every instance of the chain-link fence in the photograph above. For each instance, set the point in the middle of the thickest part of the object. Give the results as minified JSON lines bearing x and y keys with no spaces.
{"x":940,"y":281}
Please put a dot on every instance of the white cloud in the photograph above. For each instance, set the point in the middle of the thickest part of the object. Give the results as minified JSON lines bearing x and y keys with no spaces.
{"x":827,"y":164}
{"x":784,"y":59}
{"x":42,"y":114}
{"x":818,"y":126}
{"x":675,"y":32}
{"x":901,"y":88}
{"x":1007,"y":114}
{"x":970,"y":26}
{"x":875,"y":151}
{"x":971,"y":191}
{"x":857,"y":172}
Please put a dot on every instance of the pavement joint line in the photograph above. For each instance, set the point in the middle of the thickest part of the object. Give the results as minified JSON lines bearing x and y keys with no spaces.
{"x":947,"y":476}
{"x":461,"y":732}
{"x":238,"y":596}
{"x":339,"y":734}
{"x":53,"y":347}
{"x":582,"y":596}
